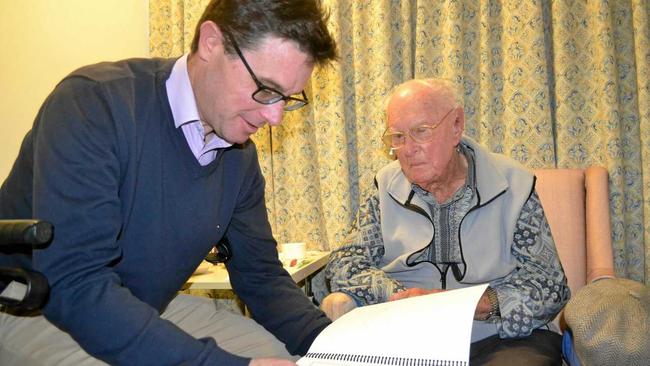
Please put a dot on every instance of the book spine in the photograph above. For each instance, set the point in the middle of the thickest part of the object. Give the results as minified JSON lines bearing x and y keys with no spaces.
{"x":384,"y":360}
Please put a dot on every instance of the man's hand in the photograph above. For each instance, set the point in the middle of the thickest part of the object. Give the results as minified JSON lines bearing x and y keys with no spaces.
{"x":271,"y":362}
{"x":411,"y":292}
{"x":336,"y":304}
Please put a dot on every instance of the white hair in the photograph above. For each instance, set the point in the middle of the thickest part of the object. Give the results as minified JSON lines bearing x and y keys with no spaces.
{"x":439,"y":86}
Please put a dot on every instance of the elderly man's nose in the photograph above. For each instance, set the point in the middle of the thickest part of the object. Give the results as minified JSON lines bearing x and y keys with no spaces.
{"x":410,"y":141}
{"x":410,"y":146}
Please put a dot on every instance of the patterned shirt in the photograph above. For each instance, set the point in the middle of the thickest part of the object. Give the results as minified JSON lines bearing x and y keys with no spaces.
{"x":444,"y":250}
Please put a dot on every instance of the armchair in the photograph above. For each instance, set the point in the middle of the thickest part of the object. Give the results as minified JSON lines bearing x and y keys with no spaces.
{"x":576,"y":204}
{"x":20,"y":289}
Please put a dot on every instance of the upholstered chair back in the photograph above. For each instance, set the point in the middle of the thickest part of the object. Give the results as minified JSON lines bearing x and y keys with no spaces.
{"x":576,"y":203}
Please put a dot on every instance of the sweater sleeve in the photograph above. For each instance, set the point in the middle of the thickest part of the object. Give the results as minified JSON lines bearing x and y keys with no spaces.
{"x":537,"y":289}
{"x":257,"y":275}
{"x":76,"y":175}
{"x":353,"y":267}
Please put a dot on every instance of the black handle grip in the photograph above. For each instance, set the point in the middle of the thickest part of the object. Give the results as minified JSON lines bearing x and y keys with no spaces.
{"x":37,"y":289}
{"x":32,"y":232}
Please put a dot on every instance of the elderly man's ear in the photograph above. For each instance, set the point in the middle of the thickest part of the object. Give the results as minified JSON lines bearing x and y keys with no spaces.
{"x":459,"y":123}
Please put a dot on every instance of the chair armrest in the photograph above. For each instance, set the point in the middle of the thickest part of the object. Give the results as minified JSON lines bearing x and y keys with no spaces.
{"x":25,"y":232}
{"x":600,"y":259}
{"x":22,"y":289}
{"x":25,"y":290}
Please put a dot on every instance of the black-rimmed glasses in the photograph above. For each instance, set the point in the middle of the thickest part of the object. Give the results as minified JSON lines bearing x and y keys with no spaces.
{"x":421,"y":134}
{"x":265,"y":94}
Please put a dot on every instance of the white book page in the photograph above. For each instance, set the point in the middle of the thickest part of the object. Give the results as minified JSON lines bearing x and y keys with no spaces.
{"x":431,"y":327}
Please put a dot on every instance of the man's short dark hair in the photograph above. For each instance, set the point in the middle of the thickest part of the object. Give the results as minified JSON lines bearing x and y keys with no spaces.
{"x":248,"y":21}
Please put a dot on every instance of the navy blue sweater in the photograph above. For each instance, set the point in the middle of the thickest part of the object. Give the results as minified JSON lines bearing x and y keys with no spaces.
{"x":134,"y":214}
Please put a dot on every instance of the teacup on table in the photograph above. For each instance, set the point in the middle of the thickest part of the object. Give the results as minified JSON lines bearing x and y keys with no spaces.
{"x":292,"y":253}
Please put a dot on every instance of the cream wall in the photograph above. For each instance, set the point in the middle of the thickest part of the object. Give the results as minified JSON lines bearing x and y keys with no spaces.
{"x":41,"y":41}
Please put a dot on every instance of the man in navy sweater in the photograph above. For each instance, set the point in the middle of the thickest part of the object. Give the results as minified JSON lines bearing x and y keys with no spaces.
{"x":143,"y":165}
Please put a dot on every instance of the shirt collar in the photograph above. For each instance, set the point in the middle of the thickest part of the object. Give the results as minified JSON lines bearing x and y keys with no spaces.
{"x":181,"y":98}
{"x":180,"y":94}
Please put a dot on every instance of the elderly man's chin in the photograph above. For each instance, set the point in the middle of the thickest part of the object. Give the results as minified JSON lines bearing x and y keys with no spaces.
{"x":417,"y":169}
{"x":417,"y":178}
{"x":421,"y":175}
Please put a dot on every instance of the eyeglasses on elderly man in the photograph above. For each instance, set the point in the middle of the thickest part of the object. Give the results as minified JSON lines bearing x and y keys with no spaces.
{"x":421,"y":134}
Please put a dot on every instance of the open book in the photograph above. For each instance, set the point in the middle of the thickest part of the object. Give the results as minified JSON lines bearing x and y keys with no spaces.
{"x":427,"y":330}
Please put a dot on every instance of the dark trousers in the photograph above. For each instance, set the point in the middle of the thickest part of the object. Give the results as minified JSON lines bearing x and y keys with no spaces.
{"x":542,"y":347}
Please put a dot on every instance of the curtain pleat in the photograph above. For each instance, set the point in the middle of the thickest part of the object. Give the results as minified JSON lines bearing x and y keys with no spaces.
{"x":549,"y":83}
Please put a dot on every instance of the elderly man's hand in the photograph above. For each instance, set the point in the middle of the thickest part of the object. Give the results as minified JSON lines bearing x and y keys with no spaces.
{"x":411,"y":292}
{"x":483,"y":308}
{"x":271,"y":362}
{"x":336,"y":304}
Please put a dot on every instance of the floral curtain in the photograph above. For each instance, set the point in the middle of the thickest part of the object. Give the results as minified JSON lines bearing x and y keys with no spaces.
{"x":550,"y":83}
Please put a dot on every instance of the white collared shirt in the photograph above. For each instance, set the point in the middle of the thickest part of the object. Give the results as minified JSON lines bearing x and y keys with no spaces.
{"x":186,"y":115}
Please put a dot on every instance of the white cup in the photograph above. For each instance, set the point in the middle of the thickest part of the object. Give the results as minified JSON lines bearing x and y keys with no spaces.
{"x":291,"y":251}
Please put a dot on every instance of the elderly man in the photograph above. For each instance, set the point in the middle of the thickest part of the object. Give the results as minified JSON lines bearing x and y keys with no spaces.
{"x":449,"y":214}
{"x":143,"y":166}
